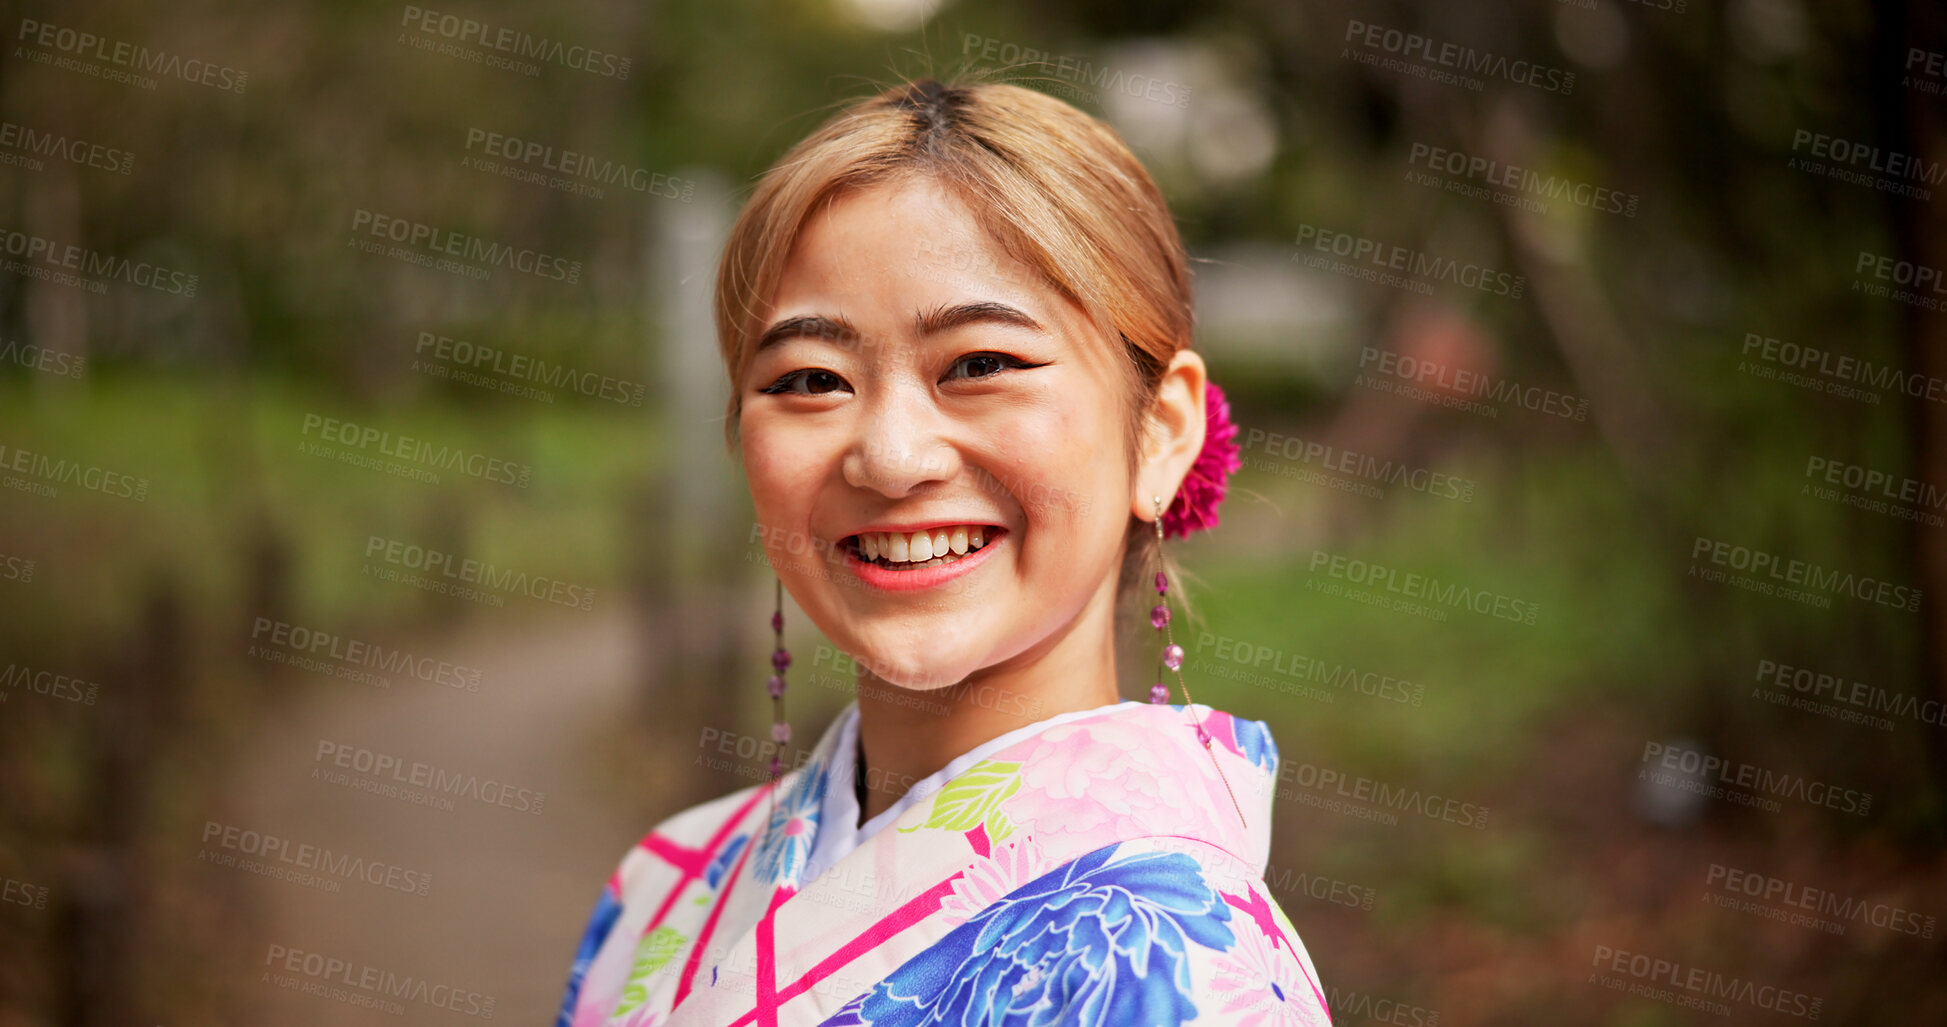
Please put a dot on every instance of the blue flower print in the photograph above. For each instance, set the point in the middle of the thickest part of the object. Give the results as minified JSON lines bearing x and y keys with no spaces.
{"x":725,"y":858}
{"x":786,"y":844}
{"x":1097,"y":942}
{"x":607,"y":910}
{"x":1254,"y":741}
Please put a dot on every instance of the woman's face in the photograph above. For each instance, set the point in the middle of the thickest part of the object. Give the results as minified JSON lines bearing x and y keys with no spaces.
{"x":915,"y":390}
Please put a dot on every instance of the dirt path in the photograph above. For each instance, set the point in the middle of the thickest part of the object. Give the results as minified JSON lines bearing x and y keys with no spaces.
{"x":509,"y":890}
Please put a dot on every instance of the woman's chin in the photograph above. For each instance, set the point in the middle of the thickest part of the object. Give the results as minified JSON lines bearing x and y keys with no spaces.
{"x":892,"y":667}
{"x":919,"y":679}
{"x":917,"y":652}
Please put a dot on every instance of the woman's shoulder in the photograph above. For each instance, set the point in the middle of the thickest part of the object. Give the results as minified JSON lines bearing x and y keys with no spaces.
{"x":1131,"y":771}
{"x":693,"y":840}
{"x":1263,"y":966}
{"x":710,"y":815}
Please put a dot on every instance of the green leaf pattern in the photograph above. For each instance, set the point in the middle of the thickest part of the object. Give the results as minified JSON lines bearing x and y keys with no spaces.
{"x":657,"y":949}
{"x":975,"y":798}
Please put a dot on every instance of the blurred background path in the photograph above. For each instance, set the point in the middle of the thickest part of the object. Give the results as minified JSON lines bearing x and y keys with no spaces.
{"x":547,"y":690}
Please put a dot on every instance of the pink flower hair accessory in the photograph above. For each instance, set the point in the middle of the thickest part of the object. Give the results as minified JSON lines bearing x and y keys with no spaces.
{"x":1195,"y":506}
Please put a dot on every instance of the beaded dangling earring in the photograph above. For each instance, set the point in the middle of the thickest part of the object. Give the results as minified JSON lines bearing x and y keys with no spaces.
{"x":780,"y":659}
{"x":1172,"y":658}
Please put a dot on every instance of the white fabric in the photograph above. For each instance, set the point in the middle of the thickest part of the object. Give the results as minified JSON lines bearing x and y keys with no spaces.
{"x":839,"y":830}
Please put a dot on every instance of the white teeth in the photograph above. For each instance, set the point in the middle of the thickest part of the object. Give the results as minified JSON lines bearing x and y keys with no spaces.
{"x":922,"y":548}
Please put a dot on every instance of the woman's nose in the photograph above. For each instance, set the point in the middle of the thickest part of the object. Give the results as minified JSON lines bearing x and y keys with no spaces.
{"x":900,"y":445}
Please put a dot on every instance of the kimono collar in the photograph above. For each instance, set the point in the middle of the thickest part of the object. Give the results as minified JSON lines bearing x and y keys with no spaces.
{"x":1123,"y":771}
{"x":839,"y":830}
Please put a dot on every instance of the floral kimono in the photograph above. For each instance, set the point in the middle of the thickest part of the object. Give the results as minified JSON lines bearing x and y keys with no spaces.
{"x":1092,"y":869}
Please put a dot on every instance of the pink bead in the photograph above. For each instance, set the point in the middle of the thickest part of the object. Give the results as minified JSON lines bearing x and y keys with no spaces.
{"x":1159,"y":693}
{"x":1162,"y":583}
{"x":777,"y":620}
{"x":780,"y":732}
{"x":777,"y":766}
{"x":1173,"y":656}
{"x":781,"y":659}
{"x":1203,"y":736}
{"x":776,"y":685}
{"x":1159,"y":617}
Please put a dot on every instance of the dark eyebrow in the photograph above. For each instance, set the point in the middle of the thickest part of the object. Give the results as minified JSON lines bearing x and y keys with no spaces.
{"x":944,"y":317}
{"x":810,"y":326}
{"x":939,"y":319}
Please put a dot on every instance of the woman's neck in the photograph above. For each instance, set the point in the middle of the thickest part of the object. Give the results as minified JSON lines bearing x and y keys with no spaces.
{"x":907,"y":735}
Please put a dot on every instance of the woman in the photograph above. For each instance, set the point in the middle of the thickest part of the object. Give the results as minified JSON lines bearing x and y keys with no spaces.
{"x":956,"y":323}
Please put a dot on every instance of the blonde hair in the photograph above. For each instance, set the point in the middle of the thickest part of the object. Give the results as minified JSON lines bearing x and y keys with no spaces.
{"x":1055,"y":187}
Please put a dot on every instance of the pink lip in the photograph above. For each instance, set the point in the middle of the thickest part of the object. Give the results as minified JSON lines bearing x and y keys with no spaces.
{"x":926,"y":577}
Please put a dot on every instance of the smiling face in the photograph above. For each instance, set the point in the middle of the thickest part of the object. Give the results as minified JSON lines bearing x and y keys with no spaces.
{"x":897,"y":391}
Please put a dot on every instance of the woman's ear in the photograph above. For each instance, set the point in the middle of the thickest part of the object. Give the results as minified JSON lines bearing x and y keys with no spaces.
{"x":1172,"y":434}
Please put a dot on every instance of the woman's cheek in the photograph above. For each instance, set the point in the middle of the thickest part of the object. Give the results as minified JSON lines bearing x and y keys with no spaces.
{"x":772,"y":465}
{"x":1076,"y":466}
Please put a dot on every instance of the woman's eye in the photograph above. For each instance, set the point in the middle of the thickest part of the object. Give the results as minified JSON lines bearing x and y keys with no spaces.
{"x":815,"y":381}
{"x":986,"y":365}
